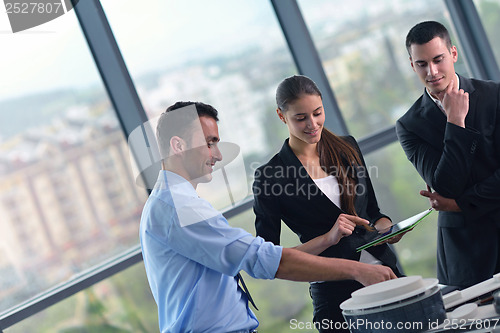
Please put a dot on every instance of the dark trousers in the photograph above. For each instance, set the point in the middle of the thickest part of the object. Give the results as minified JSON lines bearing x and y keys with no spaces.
{"x":326,"y":298}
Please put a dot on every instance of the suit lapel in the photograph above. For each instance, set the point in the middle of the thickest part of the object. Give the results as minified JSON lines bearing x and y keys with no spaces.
{"x":434,"y":122}
{"x":432,"y":113}
{"x":320,"y":201}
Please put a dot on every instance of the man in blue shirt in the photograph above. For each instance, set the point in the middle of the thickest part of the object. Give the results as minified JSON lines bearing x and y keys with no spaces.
{"x":192,"y":255}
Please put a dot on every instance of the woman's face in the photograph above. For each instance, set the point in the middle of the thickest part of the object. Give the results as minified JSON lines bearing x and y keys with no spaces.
{"x":305,"y":118}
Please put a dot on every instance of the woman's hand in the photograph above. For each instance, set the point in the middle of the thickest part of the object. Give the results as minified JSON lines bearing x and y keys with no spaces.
{"x":383,"y":225}
{"x":344,"y":227}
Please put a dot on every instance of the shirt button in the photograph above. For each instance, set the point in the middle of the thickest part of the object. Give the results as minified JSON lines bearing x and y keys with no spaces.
{"x":473,"y":147}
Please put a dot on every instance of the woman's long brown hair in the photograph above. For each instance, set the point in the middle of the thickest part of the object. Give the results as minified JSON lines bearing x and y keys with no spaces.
{"x":340,"y":159}
{"x":336,"y":156}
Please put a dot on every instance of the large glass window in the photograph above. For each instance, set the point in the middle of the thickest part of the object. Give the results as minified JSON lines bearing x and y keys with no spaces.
{"x":397,"y":185}
{"x":120,"y":304}
{"x":67,"y":200}
{"x":362,"y":48}
{"x":214,"y":52}
{"x":489,"y":11}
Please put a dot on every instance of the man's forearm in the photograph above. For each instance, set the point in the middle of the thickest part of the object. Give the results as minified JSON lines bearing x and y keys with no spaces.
{"x":296,"y":265}
{"x":299,"y":266}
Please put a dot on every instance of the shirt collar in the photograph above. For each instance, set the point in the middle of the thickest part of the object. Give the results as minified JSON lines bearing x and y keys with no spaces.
{"x":437,"y":101}
{"x":176,"y":183}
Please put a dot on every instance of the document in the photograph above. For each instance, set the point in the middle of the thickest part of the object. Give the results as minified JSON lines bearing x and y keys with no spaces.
{"x":397,"y":229}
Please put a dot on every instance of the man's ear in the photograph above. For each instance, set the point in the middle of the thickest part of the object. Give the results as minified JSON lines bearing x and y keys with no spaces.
{"x":177,"y":145}
{"x":454,"y":53}
{"x":411,"y":63}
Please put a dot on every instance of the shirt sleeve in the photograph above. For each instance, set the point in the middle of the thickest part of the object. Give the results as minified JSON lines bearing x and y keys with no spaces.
{"x":208,"y":239}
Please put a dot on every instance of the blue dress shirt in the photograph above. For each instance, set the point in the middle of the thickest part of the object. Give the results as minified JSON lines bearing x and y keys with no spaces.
{"x":191,"y":256}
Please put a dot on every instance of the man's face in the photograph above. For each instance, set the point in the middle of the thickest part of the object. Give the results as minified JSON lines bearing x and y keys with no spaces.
{"x":434,"y":64}
{"x":202,"y":153}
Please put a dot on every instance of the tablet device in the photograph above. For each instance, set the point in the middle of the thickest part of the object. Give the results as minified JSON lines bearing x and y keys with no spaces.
{"x":397,"y":229}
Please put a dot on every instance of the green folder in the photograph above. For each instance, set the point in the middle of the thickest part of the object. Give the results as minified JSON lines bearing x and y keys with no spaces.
{"x":398,"y":228}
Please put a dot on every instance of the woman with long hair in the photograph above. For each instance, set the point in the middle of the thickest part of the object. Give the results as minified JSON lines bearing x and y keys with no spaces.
{"x":319,"y":186}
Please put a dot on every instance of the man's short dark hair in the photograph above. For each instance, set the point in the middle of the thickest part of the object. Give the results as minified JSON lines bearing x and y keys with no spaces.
{"x":202,"y":109}
{"x":167,"y":128}
{"x":426,"y":31}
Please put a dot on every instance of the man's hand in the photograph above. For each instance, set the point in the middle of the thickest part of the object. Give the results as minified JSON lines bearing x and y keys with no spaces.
{"x":343,"y":227}
{"x":438,"y":202}
{"x":455,"y":103}
{"x":370,"y":274}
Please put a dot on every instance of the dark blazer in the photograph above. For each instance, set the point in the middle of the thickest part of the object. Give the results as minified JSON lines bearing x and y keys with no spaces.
{"x":284,"y":191}
{"x":463,"y":164}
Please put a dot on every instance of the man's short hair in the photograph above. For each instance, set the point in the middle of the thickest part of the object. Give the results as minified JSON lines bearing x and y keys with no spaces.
{"x":426,"y":31}
{"x":166,"y":128}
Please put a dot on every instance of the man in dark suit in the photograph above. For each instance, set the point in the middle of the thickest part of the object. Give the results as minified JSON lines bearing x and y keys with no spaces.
{"x":451,"y":135}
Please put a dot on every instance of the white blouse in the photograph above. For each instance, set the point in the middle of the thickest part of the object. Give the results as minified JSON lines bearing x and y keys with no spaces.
{"x":330,"y":187}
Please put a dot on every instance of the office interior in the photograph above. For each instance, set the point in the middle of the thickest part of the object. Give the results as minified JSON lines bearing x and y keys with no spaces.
{"x":75,"y":88}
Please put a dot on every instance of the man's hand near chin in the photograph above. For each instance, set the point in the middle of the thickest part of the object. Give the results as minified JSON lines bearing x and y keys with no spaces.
{"x":455,"y":103}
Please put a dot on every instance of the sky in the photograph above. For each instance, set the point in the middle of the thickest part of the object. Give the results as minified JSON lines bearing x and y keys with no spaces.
{"x":152,"y":35}
{"x":43,"y":58}
{"x":55,"y":54}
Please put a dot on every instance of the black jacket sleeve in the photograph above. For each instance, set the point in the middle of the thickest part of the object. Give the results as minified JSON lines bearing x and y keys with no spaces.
{"x":446,"y":171}
{"x":266,"y":206}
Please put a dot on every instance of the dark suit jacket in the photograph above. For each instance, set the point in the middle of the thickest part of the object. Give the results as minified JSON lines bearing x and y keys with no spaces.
{"x":284,"y":191}
{"x":463,"y":164}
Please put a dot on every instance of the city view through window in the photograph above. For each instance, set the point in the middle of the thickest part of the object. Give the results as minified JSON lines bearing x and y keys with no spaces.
{"x":68,"y":199}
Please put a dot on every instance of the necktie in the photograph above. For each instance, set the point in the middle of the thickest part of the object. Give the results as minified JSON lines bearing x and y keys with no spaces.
{"x":239,"y":279}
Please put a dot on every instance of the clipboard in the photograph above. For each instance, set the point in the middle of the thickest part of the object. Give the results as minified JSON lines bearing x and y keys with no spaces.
{"x":397,"y":229}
